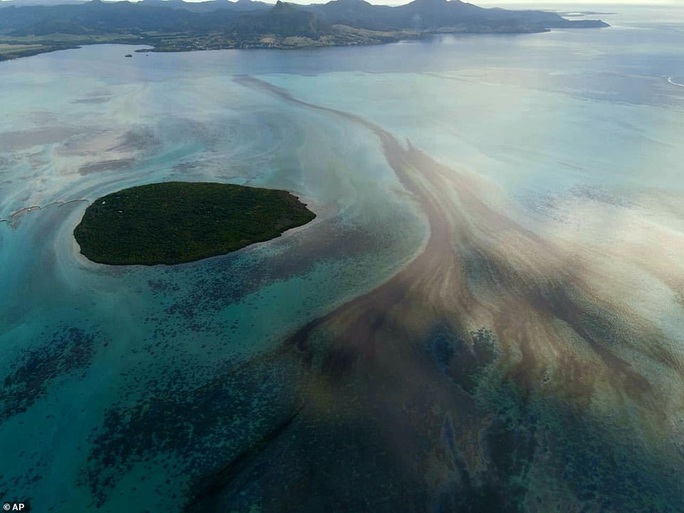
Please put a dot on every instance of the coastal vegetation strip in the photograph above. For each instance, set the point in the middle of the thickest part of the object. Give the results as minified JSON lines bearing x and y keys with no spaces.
{"x":16,"y":50}
{"x":177,"y":222}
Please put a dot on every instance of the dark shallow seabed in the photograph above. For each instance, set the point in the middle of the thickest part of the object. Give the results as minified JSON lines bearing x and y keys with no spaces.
{"x":487,"y":314}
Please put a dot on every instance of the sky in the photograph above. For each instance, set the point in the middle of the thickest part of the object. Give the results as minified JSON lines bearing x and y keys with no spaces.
{"x":512,"y":3}
{"x":492,"y":3}
{"x":566,"y":3}
{"x":504,"y":3}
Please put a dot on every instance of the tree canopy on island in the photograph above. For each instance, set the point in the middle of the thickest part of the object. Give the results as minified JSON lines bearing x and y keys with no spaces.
{"x":176,"y":222}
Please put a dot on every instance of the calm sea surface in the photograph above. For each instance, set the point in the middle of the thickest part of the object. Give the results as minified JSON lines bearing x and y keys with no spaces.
{"x":576,"y":136}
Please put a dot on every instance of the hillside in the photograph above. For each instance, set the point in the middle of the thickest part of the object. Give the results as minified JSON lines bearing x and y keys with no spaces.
{"x":175,"y":25}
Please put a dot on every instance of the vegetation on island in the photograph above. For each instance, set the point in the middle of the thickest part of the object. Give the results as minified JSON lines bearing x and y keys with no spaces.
{"x":174,"y":25}
{"x":176,"y":222}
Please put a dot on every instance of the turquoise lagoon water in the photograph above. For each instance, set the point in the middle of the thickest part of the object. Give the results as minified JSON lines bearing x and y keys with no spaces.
{"x":549,"y":119}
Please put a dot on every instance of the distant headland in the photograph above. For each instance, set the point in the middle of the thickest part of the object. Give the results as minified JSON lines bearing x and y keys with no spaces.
{"x":174,"y":25}
{"x":177,"y":222}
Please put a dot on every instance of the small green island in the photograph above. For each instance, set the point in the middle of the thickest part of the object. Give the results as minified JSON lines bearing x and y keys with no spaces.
{"x":178,"y":222}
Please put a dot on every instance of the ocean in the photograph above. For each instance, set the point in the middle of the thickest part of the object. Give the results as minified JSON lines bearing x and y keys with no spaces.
{"x":486,"y":315}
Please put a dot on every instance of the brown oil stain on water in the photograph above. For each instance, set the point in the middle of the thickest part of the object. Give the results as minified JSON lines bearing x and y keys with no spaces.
{"x":508,"y":367}
{"x":503,"y":369}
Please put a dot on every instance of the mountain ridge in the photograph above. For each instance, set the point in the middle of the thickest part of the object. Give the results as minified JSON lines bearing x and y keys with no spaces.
{"x":175,"y":25}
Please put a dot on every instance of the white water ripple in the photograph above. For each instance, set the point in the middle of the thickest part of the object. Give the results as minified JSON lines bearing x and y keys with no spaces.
{"x":670,"y":80}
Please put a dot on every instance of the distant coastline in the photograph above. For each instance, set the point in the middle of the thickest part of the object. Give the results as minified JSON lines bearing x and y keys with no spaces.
{"x":31,"y":30}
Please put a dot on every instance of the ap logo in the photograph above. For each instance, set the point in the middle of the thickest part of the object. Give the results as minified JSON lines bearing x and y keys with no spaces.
{"x":15,"y":506}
